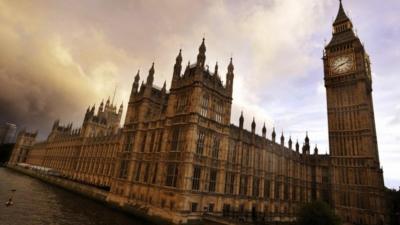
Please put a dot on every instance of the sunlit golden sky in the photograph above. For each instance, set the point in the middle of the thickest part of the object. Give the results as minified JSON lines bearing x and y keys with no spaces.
{"x":58,"y":57}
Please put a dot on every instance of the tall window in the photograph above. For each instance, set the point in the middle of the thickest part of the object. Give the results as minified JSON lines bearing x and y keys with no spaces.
{"x":200,"y":142}
{"x":219,"y":111}
{"x":243,"y":185}
{"x":175,"y":139}
{"x":181,"y":103}
{"x":160,"y":141}
{"x":267,"y":188}
{"x":231,"y":152}
{"x":152,"y":137}
{"x":172,"y":175}
{"x":123,"y":171}
{"x":138,"y":171}
{"x":155,"y":174}
{"x":204,"y":106}
{"x":144,"y":142}
{"x":229,"y":182}
{"x":215,"y":148}
{"x":146,"y":172}
{"x":128,"y":143}
{"x":256,"y":186}
{"x":213,"y":180}
{"x":196,"y":178}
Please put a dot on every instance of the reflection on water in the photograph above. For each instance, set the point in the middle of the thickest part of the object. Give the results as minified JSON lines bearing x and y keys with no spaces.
{"x":37,"y":203}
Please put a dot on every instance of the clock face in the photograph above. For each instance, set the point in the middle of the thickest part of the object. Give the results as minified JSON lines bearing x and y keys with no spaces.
{"x":342,"y":64}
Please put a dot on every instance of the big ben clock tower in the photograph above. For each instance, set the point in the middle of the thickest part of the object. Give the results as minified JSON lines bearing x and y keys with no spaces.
{"x":357,"y":179}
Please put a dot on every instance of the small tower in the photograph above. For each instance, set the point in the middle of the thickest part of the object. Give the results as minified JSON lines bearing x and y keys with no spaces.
{"x":241,"y":121}
{"x":253,"y":126}
{"x":264,"y":131}
{"x":229,"y":77}
{"x":216,"y":69}
{"x":150,"y":77}
{"x":177,"y":67}
{"x":101,"y":107}
{"x":282,"y":139}
{"x":273,"y":135}
{"x":316,"y":150}
{"x":290,"y":143}
{"x":297,"y":146}
{"x":135,"y":84}
{"x":201,"y":57}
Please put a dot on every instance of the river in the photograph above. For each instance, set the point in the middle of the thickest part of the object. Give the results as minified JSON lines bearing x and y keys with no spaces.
{"x":38,"y":203}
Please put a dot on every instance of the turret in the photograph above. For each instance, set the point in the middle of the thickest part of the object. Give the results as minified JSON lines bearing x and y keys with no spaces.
{"x":253,"y":126}
{"x":150,"y":77}
{"x":201,"y":57}
{"x":290,"y":143}
{"x":101,"y":107}
{"x":177,"y":67}
{"x":316,"y":150}
{"x":216,"y":69}
{"x":297,"y":146}
{"x":282,"y":139}
{"x":135,"y":84}
{"x":164,"y":87}
{"x":241,"y":121}
{"x":229,"y":77}
{"x":121,"y":107}
{"x":273,"y":135}
{"x":264,"y":131}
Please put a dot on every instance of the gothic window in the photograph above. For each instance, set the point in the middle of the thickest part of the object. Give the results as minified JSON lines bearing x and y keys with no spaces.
{"x":155,"y":174}
{"x":277,"y":190}
{"x":213,"y":180}
{"x":219,"y":111}
{"x":160,"y":141}
{"x":144,"y":142}
{"x":256,"y":186}
{"x":172,"y":175}
{"x":138,"y":171}
{"x":267,"y":188}
{"x":175,"y":139}
{"x":204,"y":106}
{"x":200,"y":142}
{"x":123,"y":171}
{"x":231,"y":152}
{"x":243,"y":185}
{"x":128,"y":143}
{"x":215,"y":148}
{"x":146,"y":173}
{"x":152,"y":141}
{"x":196,"y":178}
{"x":229,"y":183}
{"x":181,"y":103}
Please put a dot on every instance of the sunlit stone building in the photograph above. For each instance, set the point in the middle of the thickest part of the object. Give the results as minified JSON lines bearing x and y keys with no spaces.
{"x":178,"y":157}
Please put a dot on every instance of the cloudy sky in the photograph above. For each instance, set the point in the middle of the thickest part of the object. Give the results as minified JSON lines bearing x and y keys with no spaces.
{"x":58,"y":57}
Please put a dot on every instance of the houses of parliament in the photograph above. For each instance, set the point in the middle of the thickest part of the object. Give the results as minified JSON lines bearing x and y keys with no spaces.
{"x":179,"y":158}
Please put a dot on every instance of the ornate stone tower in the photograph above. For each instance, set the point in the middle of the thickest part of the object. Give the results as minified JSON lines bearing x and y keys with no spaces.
{"x":357,"y":179}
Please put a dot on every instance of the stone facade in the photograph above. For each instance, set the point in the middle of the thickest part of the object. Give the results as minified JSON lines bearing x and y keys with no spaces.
{"x":178,"y":157}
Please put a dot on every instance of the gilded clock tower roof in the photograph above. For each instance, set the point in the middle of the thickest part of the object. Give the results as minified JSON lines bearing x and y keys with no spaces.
{"x":341,"y":16}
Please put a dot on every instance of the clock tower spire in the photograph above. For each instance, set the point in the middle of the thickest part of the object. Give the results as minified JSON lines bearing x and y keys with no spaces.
{"x":357,"y":178}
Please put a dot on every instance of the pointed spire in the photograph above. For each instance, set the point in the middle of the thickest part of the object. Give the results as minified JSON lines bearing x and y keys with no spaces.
{"x":297,"y":146}
{"x":201,"y":57}
{"x":307,"y":140}
{"x":273,"y":135}
{"x":241,"y":120}
{"x":150,"y":78}
{"x":108,"y":101}
{"x":216,"y":68}
{"x":282,"y":139}
{"x":290,"y":142}
{"x":101,"y":106}
{"x":179,"y":57}
{"x":230,"y":66}
{"x":121,"y":107}
{"x":137,"y":77}
{"x":253,"y":126}
{"x":341,"y":16}
{"x":264,"y":131}
{"x":316,"y":150}
{"x":164,"y":87}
